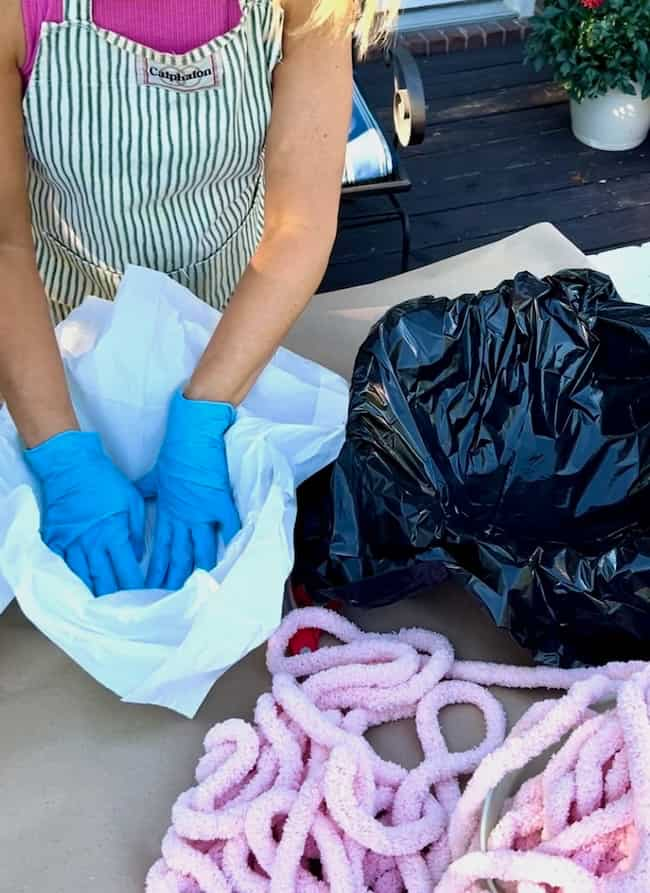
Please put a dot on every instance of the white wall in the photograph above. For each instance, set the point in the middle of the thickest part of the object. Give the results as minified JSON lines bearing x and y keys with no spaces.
{"x":524,"y":8}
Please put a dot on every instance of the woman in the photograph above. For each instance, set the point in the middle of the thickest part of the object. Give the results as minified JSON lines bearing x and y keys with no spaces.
{"x":152,"y":133}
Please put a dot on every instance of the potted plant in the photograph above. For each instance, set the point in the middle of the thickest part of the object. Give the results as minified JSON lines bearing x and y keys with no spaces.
{"x":600,"y":51}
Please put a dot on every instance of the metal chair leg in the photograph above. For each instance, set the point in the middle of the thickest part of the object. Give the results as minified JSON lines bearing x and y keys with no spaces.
{"x":406,"y":231}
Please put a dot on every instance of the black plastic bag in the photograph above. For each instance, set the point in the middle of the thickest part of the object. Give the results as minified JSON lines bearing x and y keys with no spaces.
{"x":503,"y":436}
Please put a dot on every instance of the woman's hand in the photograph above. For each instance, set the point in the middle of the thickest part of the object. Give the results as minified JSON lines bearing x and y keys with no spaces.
{"x":191,"y":483}
{"x":91,"y":515}
{"x":305,"y":153}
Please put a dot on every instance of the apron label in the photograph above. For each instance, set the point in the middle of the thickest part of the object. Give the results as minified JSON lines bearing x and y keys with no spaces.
{"x":204,"y":75}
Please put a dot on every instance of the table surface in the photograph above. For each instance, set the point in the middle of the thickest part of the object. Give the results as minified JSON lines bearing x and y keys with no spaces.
{"x":87,"y":782}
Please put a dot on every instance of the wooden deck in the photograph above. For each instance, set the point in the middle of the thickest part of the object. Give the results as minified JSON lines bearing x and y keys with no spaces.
{"x":498,"y":156}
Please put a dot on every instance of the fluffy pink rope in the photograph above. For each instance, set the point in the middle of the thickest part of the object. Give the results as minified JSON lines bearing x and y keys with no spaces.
{"x":300,"y":802}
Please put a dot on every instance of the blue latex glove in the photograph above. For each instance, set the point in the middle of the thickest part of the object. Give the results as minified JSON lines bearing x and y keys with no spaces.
{"x":192,"y":485}
{"x":91,"y":515}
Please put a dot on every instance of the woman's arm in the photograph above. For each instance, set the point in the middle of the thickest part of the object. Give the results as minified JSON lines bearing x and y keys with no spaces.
{"x":31,"y":373}
{"x":312,"y":96}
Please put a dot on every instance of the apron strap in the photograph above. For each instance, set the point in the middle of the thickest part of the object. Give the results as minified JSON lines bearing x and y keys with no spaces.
{"x":77,"y":10}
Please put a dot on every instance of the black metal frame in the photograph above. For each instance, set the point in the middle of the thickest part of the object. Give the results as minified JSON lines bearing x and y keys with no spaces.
{"x":409,"y":120}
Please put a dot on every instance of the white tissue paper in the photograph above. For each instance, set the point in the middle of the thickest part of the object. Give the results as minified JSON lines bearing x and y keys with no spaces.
{"x":124,"y":360}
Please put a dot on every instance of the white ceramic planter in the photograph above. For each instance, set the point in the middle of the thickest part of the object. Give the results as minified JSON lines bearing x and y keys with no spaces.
{"x":613,"y":122}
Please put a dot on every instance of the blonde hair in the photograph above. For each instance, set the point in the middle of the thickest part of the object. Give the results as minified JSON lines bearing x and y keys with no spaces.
{"x":370,"y":21}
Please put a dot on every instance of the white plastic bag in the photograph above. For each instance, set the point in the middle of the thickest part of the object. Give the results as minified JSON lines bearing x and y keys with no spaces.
{"x":124,"y":360}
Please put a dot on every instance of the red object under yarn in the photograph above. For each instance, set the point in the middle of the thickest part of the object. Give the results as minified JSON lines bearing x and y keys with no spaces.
{"x":306,"y":640}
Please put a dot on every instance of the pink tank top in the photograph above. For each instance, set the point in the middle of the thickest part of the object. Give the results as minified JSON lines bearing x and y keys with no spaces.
{"x":168,"y":26}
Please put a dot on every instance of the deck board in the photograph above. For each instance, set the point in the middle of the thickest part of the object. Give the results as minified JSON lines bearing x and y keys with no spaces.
{"x":498,"y":156}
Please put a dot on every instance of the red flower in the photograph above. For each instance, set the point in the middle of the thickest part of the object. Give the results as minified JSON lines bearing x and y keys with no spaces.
{"x":592,"y":4}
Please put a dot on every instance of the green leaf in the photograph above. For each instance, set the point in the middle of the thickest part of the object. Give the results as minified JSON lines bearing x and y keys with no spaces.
{"x":594,"y":50}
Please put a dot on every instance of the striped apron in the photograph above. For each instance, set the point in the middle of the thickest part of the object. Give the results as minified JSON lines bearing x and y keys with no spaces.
{"x":148,"y":158}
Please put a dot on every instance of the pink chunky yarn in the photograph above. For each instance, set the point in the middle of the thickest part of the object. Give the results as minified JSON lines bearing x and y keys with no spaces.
{"x":300,"y":802}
